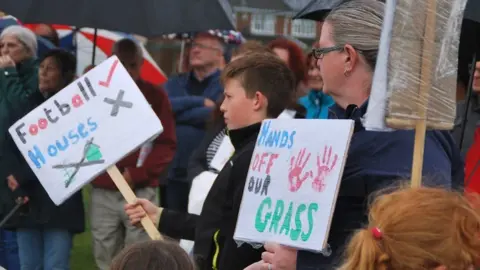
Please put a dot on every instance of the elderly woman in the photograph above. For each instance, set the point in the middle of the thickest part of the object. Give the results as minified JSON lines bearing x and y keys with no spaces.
{"x":347,"y":55}
{"x":18,"y":83}
{"x":45,"y":231}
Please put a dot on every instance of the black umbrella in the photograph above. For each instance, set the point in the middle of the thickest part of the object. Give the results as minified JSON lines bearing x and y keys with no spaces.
{"x":472,"y":11}
{"x":144,"y":17}
{"x":316,"y":10}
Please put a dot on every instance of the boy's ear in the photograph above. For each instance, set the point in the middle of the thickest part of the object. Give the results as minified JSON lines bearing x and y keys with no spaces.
{"x":259,"y":101}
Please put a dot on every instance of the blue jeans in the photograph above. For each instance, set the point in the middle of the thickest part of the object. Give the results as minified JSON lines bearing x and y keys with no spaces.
{"x":9,"y":250}
{"x":44,"y":249}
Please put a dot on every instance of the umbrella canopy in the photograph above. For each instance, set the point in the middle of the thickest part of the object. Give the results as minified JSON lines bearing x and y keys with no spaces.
{"x":81,"y":42}
{"x":316,"y":10}
{"x":144,"y":17}
{"x":44,"y":45}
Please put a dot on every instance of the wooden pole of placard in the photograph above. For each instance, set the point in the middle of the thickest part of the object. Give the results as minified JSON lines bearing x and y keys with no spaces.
{"x":130,"y":197}
{"x":425,"y":85}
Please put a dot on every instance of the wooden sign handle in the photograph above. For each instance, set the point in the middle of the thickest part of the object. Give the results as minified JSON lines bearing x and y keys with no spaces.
{"x":425,"y":85}
{"x":130,"y":197}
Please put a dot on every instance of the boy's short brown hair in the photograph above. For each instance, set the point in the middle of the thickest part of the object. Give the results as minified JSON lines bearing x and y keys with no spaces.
{"x":251,"y":46}
{"x":267,"y":74}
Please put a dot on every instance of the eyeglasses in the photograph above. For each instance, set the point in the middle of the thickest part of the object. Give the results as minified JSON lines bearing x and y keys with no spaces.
{"x":318,"y":53}
{"x":203,"y":46}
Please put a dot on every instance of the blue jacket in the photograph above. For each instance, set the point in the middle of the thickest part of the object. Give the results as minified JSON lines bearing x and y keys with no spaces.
{"x":190,"y":117}
{"x":377,"y":160}
{"x":316,"y":103}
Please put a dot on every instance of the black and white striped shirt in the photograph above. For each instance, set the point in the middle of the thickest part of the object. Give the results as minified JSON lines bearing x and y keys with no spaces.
{"x":213,"y":147}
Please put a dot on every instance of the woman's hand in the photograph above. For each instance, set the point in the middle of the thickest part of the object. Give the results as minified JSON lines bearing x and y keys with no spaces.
{"x":6,"y":61}
{"x":12,"y":183}
{"x":280,"y":257}
{"x":141,"y":208}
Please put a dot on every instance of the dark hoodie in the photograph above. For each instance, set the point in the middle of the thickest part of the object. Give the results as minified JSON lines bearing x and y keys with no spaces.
{"x":377,"y":160}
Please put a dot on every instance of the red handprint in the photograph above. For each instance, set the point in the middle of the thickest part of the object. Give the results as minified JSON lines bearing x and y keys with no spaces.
{"x":323,"y":169}
{"x":296,"y":169}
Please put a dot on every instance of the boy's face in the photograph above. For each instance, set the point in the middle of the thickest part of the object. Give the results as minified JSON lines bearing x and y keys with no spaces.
{"x":239,"y":110}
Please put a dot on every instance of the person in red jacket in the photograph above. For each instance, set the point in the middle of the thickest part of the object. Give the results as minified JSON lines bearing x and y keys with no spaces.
{"x":111,"y":229}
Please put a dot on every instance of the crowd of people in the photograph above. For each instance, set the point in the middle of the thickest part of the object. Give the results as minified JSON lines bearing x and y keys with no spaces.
{"x":190,"y":198}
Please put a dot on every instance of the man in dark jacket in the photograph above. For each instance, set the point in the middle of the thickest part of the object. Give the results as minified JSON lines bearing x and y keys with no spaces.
{"x":193,"y":96}
{"x":257,"y":87}
{"x":110,"y":230}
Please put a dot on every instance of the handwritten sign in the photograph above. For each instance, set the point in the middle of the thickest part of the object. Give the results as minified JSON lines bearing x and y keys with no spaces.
{"x":293,"y":182}
{"x":85,"y":128}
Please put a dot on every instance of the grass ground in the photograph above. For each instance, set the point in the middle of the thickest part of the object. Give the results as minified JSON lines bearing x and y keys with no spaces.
{"x":82,"y":254}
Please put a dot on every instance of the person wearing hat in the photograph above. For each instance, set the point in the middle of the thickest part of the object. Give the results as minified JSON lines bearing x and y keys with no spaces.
{"x":193,"y":96}
{"x":18,"y":87}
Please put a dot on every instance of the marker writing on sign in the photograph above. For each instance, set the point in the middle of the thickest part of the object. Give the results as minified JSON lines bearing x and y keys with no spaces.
{"x":82,"y":131}
{"x":88,"y":159}
{"x":278,"y":216}
{"x":262,"y":163}
{"x":63,"y":108}
{"x":275,"y":138}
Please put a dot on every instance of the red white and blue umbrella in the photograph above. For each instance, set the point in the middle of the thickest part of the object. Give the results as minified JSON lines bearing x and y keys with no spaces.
{"x":82,"y":41}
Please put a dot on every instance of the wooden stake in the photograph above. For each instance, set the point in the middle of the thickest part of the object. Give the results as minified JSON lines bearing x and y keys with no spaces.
{"x":425,"y":85}
{"x":130,"y":197}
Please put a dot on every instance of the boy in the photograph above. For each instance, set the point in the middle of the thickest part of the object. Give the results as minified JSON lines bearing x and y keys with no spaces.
{"x":258,"y":86}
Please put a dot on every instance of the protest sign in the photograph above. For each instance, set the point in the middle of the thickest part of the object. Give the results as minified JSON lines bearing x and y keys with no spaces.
{"x":84,"y":129}
{"x":293,"y":182}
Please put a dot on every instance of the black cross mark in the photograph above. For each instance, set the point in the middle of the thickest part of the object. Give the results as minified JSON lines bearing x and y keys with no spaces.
{"x":80,"y":164}
{"x":117,"y":103}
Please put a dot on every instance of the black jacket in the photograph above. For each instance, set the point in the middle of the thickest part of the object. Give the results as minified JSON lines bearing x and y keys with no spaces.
{"x":213,"y":230}
{"x":40,"y":212}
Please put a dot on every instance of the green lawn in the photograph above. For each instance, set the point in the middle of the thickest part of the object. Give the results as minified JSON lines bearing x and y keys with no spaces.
{"x":82,"y":254}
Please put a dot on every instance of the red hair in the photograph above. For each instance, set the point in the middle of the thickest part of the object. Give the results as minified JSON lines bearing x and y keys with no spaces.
{"x":296,"y":59}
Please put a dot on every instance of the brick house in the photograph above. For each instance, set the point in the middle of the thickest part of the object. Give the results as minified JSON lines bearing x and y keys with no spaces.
{"x":266,"y":19}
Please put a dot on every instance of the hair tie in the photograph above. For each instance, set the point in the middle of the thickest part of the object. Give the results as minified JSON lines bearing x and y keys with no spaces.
{"x":376,"y":233}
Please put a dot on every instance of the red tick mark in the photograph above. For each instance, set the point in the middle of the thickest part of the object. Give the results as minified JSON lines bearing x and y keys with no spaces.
{"x":110,"y":75}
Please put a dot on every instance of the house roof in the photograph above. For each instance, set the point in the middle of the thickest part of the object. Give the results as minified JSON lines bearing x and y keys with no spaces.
{"x":278,"y":5}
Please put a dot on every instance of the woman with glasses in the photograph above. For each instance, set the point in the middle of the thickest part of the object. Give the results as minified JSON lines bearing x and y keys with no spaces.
{"x":346,"y":56}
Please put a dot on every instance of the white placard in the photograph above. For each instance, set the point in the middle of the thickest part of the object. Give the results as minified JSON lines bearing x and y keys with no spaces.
{"x":293,"y":182}
{"x":85,"y":128}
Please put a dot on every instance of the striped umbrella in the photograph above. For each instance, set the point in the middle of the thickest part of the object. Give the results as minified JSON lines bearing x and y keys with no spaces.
{"x":81,"y":42}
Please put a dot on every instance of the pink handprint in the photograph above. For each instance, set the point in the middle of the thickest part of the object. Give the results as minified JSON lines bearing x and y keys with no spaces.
{"x":323,"y":169}
{"x":296,"y":169}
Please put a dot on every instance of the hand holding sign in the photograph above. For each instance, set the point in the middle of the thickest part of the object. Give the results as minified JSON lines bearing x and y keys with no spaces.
{"x":297,"y":164}
{"x":84,"y":130}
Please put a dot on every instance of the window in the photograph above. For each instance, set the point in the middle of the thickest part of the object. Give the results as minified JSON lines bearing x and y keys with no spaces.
{"x":304,"y":28}
{"x":263,"y":24}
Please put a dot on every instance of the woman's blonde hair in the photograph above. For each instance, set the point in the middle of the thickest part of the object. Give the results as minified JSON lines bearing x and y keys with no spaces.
{"x":358,"y":23}
{"x":417,"y":229}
